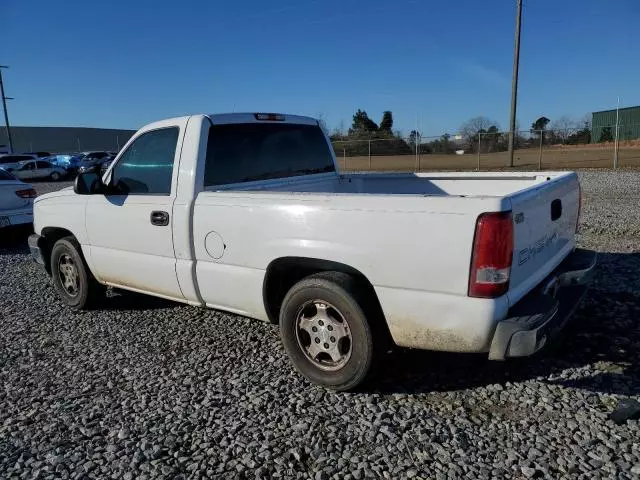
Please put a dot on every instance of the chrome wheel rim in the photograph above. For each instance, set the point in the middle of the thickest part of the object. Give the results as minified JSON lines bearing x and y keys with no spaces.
{"x":323,"y":335}
{"x":68,"y":274}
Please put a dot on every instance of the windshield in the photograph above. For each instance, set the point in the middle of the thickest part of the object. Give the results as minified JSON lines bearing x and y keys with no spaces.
{"x":245,"y":152}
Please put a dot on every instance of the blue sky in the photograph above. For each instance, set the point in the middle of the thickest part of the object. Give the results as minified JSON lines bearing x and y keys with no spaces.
{"x":122,"y":64}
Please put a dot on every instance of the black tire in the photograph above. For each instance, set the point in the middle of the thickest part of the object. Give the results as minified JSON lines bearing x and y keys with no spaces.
{"x":67,"y":252}
{"x":55,"y":176}
{"x":346,"y":298}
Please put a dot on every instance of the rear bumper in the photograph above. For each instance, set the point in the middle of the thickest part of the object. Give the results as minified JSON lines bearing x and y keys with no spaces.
{"x":34,"y":248}
{"x":539,"y":316}
{"x":18,"y":217}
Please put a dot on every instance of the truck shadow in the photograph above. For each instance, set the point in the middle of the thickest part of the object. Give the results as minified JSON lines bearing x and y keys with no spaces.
{"x":13,"y":240}
{"x":604,"y":335}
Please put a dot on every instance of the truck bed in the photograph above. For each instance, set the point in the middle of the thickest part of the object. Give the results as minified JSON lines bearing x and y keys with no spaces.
{"x":459,"y":184}
{"x":444,"y":205}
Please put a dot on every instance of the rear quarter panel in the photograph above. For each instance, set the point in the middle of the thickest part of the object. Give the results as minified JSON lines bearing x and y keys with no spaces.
{"x":410,"y":248}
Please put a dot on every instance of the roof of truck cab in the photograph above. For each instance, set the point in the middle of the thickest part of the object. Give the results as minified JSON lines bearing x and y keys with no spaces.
{"x":227,"y":118}
{"x":223,"y":118}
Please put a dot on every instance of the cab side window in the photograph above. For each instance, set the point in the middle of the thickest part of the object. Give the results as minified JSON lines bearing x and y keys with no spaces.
{"x":146,"y":167}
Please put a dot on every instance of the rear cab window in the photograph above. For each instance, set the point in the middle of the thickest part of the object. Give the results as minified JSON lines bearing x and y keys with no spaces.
{"x":246,"y":152}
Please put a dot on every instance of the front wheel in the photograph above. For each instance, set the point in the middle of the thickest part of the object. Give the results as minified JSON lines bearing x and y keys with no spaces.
{"x":72,"y":279}
{"x":55,"y":176}
{"x":325,"y":331}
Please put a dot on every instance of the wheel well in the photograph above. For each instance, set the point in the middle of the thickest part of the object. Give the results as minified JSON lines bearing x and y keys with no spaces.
{"x":49,"y":237}
{"x":283,"y":273}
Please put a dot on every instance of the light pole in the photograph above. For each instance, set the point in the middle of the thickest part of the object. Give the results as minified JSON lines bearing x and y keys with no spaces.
{"x":514,"y":81}
{"x":615,"y":145}
{"x":6,"y":114}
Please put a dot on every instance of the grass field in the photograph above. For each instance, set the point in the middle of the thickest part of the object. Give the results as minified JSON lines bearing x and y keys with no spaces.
{"x":527,"y":159}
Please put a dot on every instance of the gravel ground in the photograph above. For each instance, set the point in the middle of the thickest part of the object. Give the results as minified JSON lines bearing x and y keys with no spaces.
{"x":144,"y":388}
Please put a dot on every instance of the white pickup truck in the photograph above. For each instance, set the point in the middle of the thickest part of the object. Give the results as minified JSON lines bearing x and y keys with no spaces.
{"x":248,"y":213}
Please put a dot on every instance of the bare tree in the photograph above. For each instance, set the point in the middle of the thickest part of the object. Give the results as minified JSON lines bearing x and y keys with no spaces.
{"x":470,"y":128}
{"x":585,"y":121}
{"x":473,"y":129}
{"x":563,"y":126}
{"x":338,"y":132}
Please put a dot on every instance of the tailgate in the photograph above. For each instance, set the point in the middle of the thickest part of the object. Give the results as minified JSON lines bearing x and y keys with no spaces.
{"x":544,"y":219}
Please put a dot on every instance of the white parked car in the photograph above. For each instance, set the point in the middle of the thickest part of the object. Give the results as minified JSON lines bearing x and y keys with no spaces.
{"x":13,"y":161}
{"x":248,"y":213}
{"x":39,"y":169}
{"x":16,"y":201}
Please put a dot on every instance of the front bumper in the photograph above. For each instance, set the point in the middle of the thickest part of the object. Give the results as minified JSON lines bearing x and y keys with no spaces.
{"x":539,"y":316}
{"x":34,"y":248}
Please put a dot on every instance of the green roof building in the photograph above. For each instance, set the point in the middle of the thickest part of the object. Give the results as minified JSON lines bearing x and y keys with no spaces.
{"x":628,"y":124}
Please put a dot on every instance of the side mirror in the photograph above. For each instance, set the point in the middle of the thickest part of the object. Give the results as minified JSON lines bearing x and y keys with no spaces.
{"x":89,"y":182}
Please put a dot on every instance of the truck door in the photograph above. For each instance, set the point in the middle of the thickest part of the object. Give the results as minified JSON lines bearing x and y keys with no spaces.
{"x":130,"y":227}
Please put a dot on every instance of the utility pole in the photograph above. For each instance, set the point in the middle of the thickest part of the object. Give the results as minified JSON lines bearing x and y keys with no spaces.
{"x":4,"y":106}
{"x":615,"y":145}
{"x":514,"y":81}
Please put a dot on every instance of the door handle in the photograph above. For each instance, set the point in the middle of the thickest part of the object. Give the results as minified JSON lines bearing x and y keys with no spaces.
{"x":159,"y":218}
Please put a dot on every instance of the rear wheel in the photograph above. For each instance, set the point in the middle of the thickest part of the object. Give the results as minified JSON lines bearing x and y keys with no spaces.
{"x":75,"y":284}
{"x":325,"y":331}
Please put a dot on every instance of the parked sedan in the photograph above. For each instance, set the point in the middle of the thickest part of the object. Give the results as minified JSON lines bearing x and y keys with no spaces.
{"x":39,"y":154}
{"x":106,"y":163}
{"x":102,"y":165}
{"x":13,"y":161}
{"x":71,"y":162}
{"x":94,"y":155}
{"x":16,"y":201}
{"x":39,"y":169}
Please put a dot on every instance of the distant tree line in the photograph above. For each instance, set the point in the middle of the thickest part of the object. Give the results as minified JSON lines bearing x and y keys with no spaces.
{"x":355,"y":142}
{"x":476,"y":133}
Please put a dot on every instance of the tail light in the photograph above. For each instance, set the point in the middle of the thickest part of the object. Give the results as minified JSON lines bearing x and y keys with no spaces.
{"x":27,"y":193}
{"x":492,"y":255}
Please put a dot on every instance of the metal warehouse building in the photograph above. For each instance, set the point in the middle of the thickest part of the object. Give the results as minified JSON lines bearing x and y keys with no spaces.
{"x":628,"y":123}
{"x":65,"y":139}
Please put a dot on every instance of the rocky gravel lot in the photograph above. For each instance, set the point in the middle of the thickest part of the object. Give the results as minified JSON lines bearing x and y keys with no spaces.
{"x":144,"y":388}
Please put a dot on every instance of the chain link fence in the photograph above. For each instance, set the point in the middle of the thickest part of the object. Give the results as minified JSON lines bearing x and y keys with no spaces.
{"x":547,"y":149}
